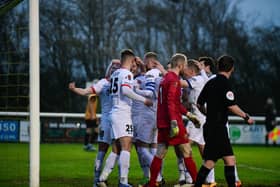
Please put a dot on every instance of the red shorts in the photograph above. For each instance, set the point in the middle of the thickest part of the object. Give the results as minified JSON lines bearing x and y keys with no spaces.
{"x":181,"y":138}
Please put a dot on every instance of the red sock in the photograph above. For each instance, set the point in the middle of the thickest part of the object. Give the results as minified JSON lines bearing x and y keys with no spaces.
{"x":190,"y":165}
{"x":155,"y":169}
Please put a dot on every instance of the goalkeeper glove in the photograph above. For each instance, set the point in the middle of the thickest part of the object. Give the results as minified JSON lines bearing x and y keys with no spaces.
{"x":193,"y":118}
{"x":174,"y":129}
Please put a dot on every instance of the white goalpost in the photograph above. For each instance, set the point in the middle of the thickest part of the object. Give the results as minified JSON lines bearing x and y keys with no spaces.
{"x":34,"y":100}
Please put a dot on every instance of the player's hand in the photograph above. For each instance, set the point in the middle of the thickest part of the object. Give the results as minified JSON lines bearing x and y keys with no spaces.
{"x":72,"y":85}
{"x":159,"y":66}
{"x":248,"y":119}
{"x":148,"y":102}
{"x":199,"y":65}
{"x":139,"y":61}
{"x":193,"y":119}
{"x":174,"y":129}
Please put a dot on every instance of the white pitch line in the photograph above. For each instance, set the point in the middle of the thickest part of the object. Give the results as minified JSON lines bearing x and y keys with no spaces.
{"x":258,"y":169}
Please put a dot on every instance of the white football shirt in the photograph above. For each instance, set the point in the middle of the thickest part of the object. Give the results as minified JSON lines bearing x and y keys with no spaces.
{"x":120,"y":102}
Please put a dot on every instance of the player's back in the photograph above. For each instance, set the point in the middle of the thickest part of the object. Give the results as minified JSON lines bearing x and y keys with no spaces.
{"x":105,"y":98}
{"x":196,"y":84}
{"x":138,"y":106}
{"x":151,"y":84}
{"x":120,"y":102}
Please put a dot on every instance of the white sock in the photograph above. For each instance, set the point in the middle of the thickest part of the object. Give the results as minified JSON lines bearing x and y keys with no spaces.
{"x":124,"y":166}
{"x":181,"y":169}
{"x":109,"y":165}
{"x":146,"y":154}
{"x":211,"y":176}
{"x":236,"y":174}
{"x":98,"y":165}
{"x":144,"y":165}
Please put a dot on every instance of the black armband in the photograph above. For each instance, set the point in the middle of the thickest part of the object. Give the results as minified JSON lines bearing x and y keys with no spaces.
{"x":247,"y":117}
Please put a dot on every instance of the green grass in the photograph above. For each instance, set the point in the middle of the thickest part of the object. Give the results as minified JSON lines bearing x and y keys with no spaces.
{"x":67,"y":165}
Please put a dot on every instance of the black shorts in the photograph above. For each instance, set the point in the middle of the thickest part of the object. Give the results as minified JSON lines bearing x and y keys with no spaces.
{"x":217,"y":143}
{"x":91,"y":123}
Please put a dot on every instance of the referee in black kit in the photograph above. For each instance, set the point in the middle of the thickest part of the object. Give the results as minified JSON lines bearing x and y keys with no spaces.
{"x":219,"y":99}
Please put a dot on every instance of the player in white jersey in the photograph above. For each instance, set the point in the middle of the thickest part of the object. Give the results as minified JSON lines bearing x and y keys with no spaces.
{"x":105,"y":136}
{"x":196,"y":82}
{"x":122,"y":94}
{"x":136,"y":71}
{"x":145,"y":118}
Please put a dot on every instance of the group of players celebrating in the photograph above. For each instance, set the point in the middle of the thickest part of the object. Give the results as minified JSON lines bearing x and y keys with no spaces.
{"x":143,"y":104}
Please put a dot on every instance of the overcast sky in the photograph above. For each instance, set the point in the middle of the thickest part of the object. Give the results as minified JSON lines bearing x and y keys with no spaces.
{"x":260,"y":12}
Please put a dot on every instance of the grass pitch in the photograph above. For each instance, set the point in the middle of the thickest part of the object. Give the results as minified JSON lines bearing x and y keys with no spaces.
{"x":67,"y":165}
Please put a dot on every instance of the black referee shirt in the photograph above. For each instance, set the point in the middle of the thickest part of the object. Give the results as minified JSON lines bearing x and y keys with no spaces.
{"x":218,"y":95}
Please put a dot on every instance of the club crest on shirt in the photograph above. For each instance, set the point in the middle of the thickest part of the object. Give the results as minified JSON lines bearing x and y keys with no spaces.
{"x":230,"y":95}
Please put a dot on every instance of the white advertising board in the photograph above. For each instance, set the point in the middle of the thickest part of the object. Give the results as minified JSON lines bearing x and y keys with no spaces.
{"x":24,"y":131}
{"x":248,"y":134}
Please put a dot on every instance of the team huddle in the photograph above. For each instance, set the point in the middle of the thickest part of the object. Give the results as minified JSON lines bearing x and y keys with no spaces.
{"x":143,"y":104}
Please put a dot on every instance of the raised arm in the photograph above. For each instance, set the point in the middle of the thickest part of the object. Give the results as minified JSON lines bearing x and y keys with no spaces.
{"x":160,"y":67}
{"x":80,"y":91}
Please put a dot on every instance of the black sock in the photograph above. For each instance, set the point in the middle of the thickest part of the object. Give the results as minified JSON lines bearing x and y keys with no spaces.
{"x":201,"y":176}
{"x":93,"y":137}
{"x":86,"y":138}
{"x":230,"y":176}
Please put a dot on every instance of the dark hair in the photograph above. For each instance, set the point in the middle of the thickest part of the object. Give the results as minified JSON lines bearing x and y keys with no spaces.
{"x":208,"y":61}
{"x":150,"y":55}
{"x":174,"y":61}
{"x":126,"y":53}
{"x":225,"y":63}
{"x":192,"y":65}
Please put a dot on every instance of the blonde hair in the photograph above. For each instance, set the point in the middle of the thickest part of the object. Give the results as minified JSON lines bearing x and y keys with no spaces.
{"x":177,"y":58}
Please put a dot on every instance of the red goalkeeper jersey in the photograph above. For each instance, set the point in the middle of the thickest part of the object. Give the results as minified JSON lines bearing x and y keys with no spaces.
{"x":169,"y":103}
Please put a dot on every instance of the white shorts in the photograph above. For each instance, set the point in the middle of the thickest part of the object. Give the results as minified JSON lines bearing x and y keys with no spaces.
{"x":145,"y":128}
{"x":196,"y":134}
{"x":105,"y":131}
{"x":121,"y":124}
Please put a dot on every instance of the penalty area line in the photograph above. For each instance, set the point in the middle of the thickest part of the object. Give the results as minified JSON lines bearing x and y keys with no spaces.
{"x":258,"y":168}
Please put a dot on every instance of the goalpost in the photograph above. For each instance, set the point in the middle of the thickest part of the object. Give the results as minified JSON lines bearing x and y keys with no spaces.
{"x":34,"y":100}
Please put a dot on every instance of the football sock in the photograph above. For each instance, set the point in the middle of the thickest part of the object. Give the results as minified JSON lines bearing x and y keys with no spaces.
{"x":181,"y":169}
{"x":201,"y":176}
{"x":109,"y":165}
{"x":148,"y":158}
{"x":146,"y":154}
{"x":93,"y":137}
{"x":86,"y":138}
{"x":98,"y":165}
{"x":155,"y":169}
{"x":191,"y":167}
{"x":230,"y":176}
{"x":211,"y":176}
{"x":143,"y":162}
{"x":124,"y":166}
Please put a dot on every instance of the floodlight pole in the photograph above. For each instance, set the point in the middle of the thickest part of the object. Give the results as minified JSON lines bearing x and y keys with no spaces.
{"x":34,"y":91}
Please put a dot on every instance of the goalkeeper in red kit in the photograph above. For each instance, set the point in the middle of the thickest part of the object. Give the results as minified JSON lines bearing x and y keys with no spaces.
{"x":171,"y":130}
